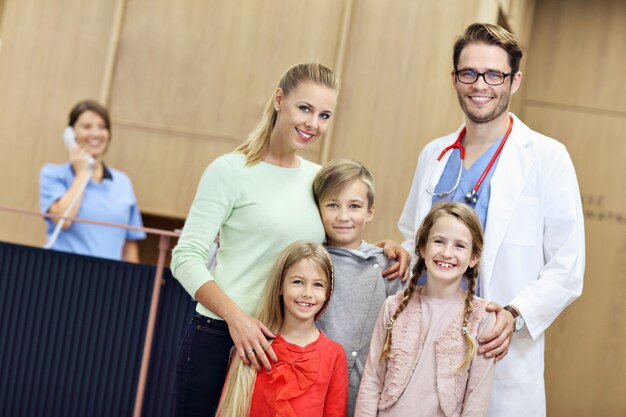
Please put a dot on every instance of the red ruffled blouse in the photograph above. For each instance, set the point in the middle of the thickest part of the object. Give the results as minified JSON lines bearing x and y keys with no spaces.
{"x":310,"y":381}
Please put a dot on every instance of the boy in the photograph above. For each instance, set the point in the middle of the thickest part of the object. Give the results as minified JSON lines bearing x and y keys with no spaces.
{"x":344,"y":193}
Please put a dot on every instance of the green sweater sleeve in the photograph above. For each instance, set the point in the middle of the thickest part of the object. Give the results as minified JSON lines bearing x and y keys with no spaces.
{"x":214,"y":201}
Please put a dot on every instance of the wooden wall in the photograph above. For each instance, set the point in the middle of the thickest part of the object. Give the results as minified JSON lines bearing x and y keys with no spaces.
{"x":575,"y":92}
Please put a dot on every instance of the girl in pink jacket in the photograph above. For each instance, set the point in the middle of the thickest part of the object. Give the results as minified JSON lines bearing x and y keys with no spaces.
{"x":422,"y":359}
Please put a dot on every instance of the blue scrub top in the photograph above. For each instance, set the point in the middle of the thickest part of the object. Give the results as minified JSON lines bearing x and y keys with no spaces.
{"x":111,"y":200}
{"x":469,"y":178}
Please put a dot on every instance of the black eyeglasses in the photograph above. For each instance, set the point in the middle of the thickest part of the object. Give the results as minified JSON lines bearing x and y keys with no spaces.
{"x":470,"y":76}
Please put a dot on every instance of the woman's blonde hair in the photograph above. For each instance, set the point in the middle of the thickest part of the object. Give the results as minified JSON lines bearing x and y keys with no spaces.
{"x":468,"y":217}
{"x":237,"y":392}
{"x":256,"y":145}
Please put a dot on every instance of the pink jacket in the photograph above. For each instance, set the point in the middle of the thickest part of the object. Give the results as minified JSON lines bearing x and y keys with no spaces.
{"x":450,"y":350}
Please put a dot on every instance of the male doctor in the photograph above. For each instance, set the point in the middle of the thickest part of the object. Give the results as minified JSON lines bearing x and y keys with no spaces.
{"x":523,"y":187}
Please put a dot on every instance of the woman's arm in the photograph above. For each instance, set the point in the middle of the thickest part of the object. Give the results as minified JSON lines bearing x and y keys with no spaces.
{"x":214,"y":202}
{"x":79,"y":160}
{"x":247,"y":332}
{"x":130,"y":251}
{"x":395,"y":251}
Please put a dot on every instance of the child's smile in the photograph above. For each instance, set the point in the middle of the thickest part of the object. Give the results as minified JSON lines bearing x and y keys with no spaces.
{"x":447,"y":253}
{"x":304,"y":291}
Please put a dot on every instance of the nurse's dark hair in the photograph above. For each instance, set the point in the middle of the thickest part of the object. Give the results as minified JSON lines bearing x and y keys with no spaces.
{"x":468,"y":217}
{"x":489,"y":34}
{"x":256,"y":145}
{"x":89,"y":105}
{"x":237,"y":392}
{"x":337,"y":174}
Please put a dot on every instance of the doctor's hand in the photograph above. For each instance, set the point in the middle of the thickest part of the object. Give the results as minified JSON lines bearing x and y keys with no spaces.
{"x":394,"y":251}
{"x":497,"y":342}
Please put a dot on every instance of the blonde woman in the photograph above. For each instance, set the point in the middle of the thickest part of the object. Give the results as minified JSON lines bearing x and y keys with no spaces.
{"x":259,"y":199}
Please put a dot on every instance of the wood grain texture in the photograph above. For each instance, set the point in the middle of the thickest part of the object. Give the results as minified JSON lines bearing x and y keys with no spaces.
{"x":210,"y":67}
{"x":578,"y":48}
{"x":574,"y":93}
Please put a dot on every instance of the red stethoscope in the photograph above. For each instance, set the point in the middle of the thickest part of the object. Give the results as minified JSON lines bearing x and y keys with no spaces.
{"x":471,"y":197}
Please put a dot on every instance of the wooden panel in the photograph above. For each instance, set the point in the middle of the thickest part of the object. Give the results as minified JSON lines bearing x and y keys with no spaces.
{"x":589,"y":341}
{"x":208,"y":67}
{"x":165,"y":165}
{"x":574,"y":92}
{"x":578,"y":54}
{"x":52,"y":56}
{"x":1,"y":10}
{"x":397,"y":93}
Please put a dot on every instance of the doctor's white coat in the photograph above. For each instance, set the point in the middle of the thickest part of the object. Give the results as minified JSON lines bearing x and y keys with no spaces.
{"x":534,"y":252}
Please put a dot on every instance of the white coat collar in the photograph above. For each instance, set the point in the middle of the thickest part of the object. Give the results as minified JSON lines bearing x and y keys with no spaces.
{"x":507,"y":183}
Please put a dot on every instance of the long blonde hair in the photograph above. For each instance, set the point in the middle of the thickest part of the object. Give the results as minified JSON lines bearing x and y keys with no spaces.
{"x":256,"y":145}
{"x":237,"y":392}
{"x":468,"y":217}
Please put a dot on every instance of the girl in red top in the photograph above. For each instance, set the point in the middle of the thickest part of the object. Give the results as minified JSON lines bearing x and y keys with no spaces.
{"x":310,"y":378}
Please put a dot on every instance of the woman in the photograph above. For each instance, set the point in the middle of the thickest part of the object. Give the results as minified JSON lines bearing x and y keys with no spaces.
{"x":260,"y":200}
{"x":108,"y":195}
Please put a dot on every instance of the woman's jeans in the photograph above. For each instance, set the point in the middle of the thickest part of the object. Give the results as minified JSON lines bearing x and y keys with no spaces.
{"x":202,"y":366}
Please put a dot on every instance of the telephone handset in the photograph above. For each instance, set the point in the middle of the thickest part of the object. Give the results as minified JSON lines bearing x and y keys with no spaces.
{"x":69,"y":138}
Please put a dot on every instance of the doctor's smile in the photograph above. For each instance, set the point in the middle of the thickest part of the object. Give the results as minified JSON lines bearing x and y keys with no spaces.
{"x":480,"y":99}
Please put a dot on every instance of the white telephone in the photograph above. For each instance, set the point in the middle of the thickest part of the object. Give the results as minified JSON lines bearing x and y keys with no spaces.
{"x":69,"y":138}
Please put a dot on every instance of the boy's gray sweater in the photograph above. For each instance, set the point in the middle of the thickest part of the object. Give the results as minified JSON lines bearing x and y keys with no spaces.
{"x":360,"y":291}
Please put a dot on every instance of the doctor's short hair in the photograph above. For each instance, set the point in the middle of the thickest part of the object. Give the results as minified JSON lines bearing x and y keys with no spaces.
{"x":335,"y":175}
{"x":491,"y":35}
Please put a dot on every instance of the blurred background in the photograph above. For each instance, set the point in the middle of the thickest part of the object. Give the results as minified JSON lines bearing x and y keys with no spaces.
{"x":185,"y":81}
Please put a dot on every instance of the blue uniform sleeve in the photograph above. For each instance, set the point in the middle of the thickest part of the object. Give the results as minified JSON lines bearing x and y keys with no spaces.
{"x":134,"y":216}
{"x":52,"y":185}
{"x":135,"y":220}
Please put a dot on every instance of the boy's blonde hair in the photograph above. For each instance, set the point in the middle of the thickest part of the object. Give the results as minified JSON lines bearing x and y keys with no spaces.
{"x":237,"y":392}
{"x":256,"y":145}
{"x":335,"y":175}
{"x":468,"y":217}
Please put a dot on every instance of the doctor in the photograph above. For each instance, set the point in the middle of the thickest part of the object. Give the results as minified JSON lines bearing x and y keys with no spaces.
{"x":523,"y":187}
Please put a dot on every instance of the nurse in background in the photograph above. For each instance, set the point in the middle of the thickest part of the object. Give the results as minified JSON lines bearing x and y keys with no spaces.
{"x":108,"y":195}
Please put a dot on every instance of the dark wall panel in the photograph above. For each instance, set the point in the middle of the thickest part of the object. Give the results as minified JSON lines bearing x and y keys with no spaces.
{"x":72,"y":330}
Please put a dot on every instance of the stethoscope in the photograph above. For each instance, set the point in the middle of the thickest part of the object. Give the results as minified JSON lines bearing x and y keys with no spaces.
{"x":471,"y":197}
